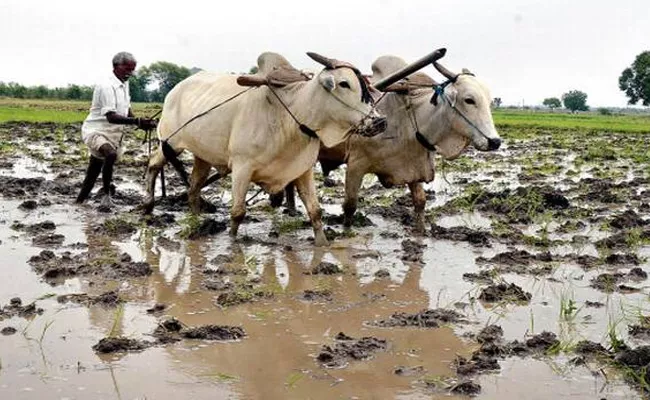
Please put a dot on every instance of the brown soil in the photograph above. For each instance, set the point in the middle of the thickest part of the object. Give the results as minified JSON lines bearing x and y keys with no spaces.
{"x":347,"y":348}
{"x":413,"y":251}
{"x":119,"y":344}
{"x":462,"y":234}
{"x":504,"y":292}
{"x":15,"y":308}
{"x":108,"y":299}
{"x":423,"y":319}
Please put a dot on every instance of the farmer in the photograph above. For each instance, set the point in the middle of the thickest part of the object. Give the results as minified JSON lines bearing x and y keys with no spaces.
{"x":103,"y":129}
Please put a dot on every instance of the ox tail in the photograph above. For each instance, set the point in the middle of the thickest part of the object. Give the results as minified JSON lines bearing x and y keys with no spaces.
{"x":171,"y":156}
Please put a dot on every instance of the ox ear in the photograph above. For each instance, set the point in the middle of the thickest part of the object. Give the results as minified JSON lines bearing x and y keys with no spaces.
{"x":452,"y":145}
{"x":328,"y":82}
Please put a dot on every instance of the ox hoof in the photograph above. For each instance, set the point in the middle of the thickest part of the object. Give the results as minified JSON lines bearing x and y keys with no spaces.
{"x":419,"y":230}
{"x":147,"y":207}
{"x":320,"y":240}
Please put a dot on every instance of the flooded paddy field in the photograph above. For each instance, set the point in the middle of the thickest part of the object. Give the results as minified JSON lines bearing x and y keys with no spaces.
{"x":531,"y":281}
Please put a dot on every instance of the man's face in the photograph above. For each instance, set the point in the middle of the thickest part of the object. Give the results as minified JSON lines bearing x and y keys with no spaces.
{"x":124,"y":71}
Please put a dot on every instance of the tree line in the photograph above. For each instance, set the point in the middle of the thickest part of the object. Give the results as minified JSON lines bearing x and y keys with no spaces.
{"x":149,"y":84}
{"x":152,"y":83}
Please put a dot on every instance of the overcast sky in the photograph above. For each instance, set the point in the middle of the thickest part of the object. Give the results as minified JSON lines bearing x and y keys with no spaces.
{"x":525,"y":50}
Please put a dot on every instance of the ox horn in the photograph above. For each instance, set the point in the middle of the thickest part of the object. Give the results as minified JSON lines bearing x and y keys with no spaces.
{"x":445,"y":72}
{"x":327,"y":62}
{"x":411,"y":68}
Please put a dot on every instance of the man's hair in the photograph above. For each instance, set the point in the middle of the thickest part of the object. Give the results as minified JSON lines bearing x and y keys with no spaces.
{"x":123,"y":57}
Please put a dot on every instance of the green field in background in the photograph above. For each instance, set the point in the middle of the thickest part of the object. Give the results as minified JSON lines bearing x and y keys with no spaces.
{"x":75,"y":111}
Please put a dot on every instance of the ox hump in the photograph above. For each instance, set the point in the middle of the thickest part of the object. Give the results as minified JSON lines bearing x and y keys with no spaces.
{"x":269,"y":61}
{"x":386,"y":65}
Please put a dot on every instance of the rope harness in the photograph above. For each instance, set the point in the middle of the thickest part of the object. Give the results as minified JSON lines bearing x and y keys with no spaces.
{"x":439,"y":92}
{"x":172,"y":157}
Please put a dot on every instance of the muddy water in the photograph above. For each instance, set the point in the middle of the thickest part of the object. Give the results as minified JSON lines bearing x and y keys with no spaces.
{"x":275,"y":360}
{"x":51,"y":354}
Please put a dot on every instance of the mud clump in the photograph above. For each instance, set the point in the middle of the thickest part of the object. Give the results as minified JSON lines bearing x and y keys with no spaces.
{"x":629,"y":219}
{"x":519,"y":262}
{"x":168,"y":331}
{"x":35,"y":229}
{"x":461,"y":234}
{"x":484,"y":276}
{"x":519,"y":205}
{"x":612,"y":282}
{"x":413,"y":251}
{"x":594,"y":304}
{"x":409,"y":371}
{"x":490,"y":334}
{"x":504,"y":292}
{"x":519,"y":257}
{"x":15,"y":308}
{"x":28,"y":205}
{"x":214,"y":332}
{"x":359,"y":220}
{"x":20,"y":187}
{"x":108,"y":299}
{"x":8,"y":330}
{"x":478,"y":363}
{"x":623,"y":240}
{"x":634,"y":358}
{"x":638,"y":361}
{"x":348,"y":348}
{"x":423,"y":319}
{"x":623,"y":259}
{"x":639,"y":331}
{"x":316,"y":295}
{"x":382,"y":273}
{"x":208,"y":227}
{"x":163,"y":220}
{"x":216,"y":284}
{"x":48,"y":239}
{"x":588,"y":348}
{"x":116,"y":227}
{"x":543,"y":341}
{"x":119,"y":344}
{"x":637,"y":274}
{"x":325,"y":268}
{"x":466,"y":388}
{"x":172,"y":330}
{"x":126,"y":269}
{"x":244,"y":293}
{"x":52,"y":267}
{"x":157,"y":308}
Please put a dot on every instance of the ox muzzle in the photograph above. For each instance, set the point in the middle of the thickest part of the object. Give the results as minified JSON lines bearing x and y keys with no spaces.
{"x":371,"y":125}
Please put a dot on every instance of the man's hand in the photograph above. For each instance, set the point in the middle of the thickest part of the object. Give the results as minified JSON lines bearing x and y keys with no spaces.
{"x":147,"y":124}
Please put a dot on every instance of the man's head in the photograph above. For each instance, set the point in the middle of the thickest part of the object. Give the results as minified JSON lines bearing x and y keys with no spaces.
{"x":123,"y":65}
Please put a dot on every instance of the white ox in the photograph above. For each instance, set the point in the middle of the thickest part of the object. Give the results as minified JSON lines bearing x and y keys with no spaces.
{"x":461,"y":115}
{"x":254,"y":137}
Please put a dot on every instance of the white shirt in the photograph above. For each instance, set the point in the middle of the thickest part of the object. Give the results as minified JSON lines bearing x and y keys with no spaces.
{"x":111,"y":95}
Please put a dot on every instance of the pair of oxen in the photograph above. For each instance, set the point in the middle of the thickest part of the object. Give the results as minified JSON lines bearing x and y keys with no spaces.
{"x":270,"y":128}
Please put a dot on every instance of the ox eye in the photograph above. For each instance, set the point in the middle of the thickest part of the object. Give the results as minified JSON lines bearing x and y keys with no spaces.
{"x":470,"y":101}
{"x":344,"y":84}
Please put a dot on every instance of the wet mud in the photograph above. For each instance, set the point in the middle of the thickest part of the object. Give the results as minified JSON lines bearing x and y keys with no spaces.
{"x":548,"y":242}
{"x":347,"y":348}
